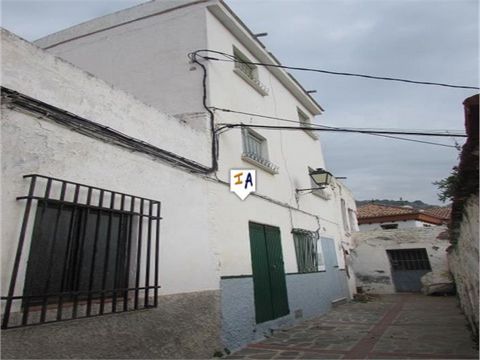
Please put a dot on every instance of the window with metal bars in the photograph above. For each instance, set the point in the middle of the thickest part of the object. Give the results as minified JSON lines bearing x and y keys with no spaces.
{"x":409,"y":259}
{"x":249,"y":72}
{"x":308,"y":250}
{"x":92,"y":252}
{"x":255,"y":150}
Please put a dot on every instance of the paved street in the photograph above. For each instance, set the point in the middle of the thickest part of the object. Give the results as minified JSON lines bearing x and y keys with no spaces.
{"x":389,"y":327}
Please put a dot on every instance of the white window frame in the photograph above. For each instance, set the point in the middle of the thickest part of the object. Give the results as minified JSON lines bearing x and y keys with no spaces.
{"x":261,"y":159}
{"x":248,"y":72}
{"x":306,"y":121}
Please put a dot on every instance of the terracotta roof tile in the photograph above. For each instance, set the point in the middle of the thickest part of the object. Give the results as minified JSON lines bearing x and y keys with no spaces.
{"x":441,"y":212}
{"x":375,"y":210}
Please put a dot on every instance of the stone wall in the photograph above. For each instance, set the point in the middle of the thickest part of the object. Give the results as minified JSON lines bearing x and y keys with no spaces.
{"x":183,"y":326}
{"x":370,"y":260}
{"x":463,"y":255}
{"x":463,"y":261}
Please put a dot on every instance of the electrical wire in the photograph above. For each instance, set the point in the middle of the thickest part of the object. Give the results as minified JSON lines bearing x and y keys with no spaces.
{"x":453,"y":133}
{"x":230,"y":58}
{"x":277,"y":127}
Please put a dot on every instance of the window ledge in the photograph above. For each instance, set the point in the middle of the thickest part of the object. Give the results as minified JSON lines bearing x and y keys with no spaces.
{"x":257,"y":85}
{"x":261,"y":163}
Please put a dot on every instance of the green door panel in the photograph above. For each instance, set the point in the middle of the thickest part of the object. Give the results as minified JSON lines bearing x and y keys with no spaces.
{"x":277,"y":271}
{"x":270,"y":289}
{"x":261,"y":276}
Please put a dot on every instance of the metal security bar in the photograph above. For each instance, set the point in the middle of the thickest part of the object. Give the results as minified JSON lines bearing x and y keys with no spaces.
{"x":88,"y":252}
{"x":409,"y":259}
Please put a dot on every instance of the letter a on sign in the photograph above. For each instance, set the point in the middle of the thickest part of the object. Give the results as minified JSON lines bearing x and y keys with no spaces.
{"x":243,"y":182}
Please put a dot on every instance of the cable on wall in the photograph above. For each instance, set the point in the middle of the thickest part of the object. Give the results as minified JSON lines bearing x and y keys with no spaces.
{"x":95,"y":130}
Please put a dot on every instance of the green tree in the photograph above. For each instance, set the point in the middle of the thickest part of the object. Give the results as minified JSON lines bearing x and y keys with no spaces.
{"x":448,"y":186}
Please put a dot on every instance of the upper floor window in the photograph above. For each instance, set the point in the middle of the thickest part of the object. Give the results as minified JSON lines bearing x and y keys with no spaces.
{"x":255,"y":151}
{"x":305,"y":121}
{"x":248,"y":71}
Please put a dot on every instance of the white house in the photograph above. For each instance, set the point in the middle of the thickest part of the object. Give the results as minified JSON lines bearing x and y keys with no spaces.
{"x":69,"y":129}
{"x":275,"y":258}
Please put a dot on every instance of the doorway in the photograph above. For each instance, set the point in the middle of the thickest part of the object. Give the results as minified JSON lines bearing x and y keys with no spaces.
{"x":408,"y":266}
{"x":270,"y":289}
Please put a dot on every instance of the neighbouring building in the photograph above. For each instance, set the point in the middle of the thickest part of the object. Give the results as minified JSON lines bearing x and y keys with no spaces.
{"x":377,"y":217}
{"x":463,"y":253}
{"x":390,"y":261}
{"x":127,"y":199}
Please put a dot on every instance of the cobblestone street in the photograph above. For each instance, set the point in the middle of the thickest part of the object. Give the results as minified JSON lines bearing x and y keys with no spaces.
{"x":403,"y":326}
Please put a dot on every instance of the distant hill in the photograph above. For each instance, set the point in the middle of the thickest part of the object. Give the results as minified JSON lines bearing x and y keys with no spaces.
{"x":417,"y":204}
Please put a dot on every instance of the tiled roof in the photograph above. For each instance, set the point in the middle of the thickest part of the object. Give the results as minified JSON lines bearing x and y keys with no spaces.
{"x":384,"y":213}
{"x":440,"y":212}
{"x":375,"y":210}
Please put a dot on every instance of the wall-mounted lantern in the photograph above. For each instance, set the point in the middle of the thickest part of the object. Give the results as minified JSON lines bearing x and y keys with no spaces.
{"x":320,"y":177}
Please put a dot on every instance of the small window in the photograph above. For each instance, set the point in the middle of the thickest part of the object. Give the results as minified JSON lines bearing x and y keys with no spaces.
{"x":255,"y":151}
{"x":308,"y":250}
{"x":322,"y":193}
{"x":243,"y":65}
{"x":389,"y":226}
{"x":246,"y":70}
{"x":305,"y":121}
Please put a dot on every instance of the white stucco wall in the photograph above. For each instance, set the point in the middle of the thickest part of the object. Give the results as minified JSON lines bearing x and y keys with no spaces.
{"x":370,"y":261}
{"x":36,"y":145}
{"x":147,"y":58}
{"x":292,"y":151}
{"x":161,"y":76}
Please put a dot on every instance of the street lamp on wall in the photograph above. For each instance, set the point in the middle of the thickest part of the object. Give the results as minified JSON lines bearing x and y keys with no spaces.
{"x":321,"y":177}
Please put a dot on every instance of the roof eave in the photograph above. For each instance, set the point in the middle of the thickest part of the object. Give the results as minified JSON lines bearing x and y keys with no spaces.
{"x":233,"y":23}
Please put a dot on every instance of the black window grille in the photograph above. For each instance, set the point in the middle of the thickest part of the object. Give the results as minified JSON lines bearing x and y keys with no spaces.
{"x":92,"y":252}
{"x":409,"y":259}
{"x":308,"y":254}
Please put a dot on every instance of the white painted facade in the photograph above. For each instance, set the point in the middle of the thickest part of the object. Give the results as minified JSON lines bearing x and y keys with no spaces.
{"x":371,"y":263}
{"x":142,"y":53}
{"x":164,"y":78}
{"x":32,"y":145}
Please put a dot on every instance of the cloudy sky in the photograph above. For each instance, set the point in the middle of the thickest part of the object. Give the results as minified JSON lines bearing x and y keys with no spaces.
{"x":424,"y":40}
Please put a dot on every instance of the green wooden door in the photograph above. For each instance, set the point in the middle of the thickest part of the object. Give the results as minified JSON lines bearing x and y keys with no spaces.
{"x":270,"y":288}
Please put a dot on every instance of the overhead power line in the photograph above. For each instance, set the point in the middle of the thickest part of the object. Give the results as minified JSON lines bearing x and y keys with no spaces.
{"x":381,"y":133}
{"x":452,"y":133}
{"x":313,"y":127}
{"x":230,"y":58}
